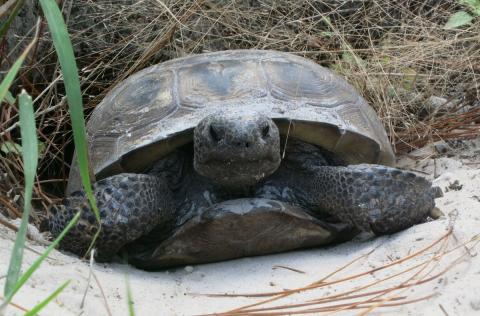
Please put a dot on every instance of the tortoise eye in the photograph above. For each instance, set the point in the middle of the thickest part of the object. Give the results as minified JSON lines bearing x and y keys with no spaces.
{"x":265,"y":130}
{"x":215,"y":134}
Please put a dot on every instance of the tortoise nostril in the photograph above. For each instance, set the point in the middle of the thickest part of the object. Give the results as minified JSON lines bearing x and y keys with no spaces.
{"x":215,"y":134}
{"x":265,"y":130}
{"x":247,"y":144}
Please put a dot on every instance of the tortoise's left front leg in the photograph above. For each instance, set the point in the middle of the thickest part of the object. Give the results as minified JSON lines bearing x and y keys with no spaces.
{"x":371,"y":197}
{"x":130,"y":206}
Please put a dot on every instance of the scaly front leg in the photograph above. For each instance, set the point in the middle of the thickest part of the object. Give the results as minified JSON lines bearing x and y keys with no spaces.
{"x":130,"y":206}
{"x":371,"y":197}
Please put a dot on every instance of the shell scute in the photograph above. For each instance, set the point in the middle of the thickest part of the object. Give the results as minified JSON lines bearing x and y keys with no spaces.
{"x":211,"y":82}
{"x":302,"y":83}
{"x":150,"y":98}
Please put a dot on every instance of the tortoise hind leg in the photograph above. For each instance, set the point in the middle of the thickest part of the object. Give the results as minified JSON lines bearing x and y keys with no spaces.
{"x":371,"y":197}
{"x":130,"y":206}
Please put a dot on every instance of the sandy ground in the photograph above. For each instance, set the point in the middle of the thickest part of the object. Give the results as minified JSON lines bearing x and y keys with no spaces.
{"x":456,"y":292}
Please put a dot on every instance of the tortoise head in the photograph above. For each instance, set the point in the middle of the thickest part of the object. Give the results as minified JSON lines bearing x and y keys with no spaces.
{"x":236,"y":149}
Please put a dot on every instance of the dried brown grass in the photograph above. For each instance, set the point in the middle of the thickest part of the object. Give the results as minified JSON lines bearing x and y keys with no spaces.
{"x":390,"y":285}
{"x":395,"y":52}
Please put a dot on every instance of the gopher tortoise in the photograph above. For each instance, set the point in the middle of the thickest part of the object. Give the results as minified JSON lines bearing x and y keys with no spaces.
{"x":236,"y":153}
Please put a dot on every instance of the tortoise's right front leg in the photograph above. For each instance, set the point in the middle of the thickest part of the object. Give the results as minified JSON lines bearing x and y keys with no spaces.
{"x":130,"y":206}
{"x":374,"y":198}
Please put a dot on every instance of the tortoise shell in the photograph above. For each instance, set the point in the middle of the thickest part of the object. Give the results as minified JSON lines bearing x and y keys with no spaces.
{"x":155,"y":110}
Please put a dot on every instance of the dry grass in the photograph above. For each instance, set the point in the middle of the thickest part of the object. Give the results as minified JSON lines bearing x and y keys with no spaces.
{"x":395,"y":52}
{"x":392,"y":284}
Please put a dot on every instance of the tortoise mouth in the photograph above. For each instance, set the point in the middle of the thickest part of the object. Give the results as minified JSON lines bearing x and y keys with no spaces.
{"x":238,"y":172}
{"x":239,"y":228}
{"x":239,"y":160}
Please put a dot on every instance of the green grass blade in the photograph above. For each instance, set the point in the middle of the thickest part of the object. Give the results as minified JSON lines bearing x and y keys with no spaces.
{"x":131,"y":310}
{"x":24,"y":278}
{"x":12,"y":73}
{"x":30,"y":160}
{"x":9,"y":98}
{"x":6,"y":25}
{"x":63,"y":47}
{"x":41,"y":305}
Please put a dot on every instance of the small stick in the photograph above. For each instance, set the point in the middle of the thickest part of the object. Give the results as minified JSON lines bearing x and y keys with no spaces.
{"x":443,"y":310}
{"x":82,"y":304}
{"x":288,"y":268}
{"x":103,"y":294}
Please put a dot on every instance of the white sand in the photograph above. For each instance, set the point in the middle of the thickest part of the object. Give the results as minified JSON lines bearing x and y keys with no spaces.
{"x":169,"y":293}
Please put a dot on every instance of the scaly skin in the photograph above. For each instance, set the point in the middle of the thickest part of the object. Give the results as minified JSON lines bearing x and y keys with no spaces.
{"x":130,"y":206}
{"x":372,"y":197}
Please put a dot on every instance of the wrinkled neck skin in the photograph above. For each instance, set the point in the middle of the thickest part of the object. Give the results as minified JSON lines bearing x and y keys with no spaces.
{"x":236,"y":151}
